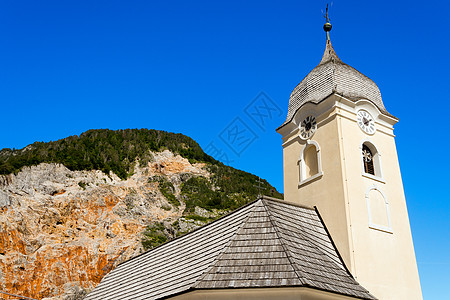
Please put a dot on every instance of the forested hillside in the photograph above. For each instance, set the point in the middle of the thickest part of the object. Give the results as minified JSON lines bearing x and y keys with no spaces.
{"x":103,"y":149}
{"x":72,"y":209}
{"x":118,"y":151}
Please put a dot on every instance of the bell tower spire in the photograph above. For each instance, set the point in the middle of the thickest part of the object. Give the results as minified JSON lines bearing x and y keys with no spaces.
{"x":339,"y":155}
{"x":329,"y":54}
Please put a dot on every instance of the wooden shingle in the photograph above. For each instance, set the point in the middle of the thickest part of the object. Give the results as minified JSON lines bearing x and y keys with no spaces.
{"x":267,"y":243}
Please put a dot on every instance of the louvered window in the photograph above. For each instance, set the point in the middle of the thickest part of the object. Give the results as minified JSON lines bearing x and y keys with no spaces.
{"x":367,"y":157}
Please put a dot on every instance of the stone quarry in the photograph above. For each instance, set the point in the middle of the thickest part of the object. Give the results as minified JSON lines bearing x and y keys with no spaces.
{"x":61,"y":231}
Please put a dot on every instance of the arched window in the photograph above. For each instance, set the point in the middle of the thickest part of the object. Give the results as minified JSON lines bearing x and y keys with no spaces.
{"x":367,"y":157}
{"x":310,"y":166}
{"x":311,"y":163}
{"x":371,"y":161}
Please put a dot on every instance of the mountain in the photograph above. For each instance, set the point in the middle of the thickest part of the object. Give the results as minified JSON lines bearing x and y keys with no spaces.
{"x":72,"y":209}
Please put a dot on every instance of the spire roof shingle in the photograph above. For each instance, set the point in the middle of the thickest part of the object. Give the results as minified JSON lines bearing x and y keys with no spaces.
{"x":332,"y":76}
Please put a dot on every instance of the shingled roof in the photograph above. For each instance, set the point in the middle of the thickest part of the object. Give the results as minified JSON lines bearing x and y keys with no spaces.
{"x":332,"y":76}
{"x":267,"y":243}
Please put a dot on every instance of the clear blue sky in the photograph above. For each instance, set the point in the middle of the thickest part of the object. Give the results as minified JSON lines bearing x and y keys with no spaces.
{"x":194,"y":66}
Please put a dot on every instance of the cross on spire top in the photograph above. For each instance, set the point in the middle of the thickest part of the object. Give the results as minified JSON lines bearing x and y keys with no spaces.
{"x":327,"y":26}
{"x":326,"y":15}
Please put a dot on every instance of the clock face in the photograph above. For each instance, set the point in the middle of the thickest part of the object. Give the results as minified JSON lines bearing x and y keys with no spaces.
{"x":365,"y":122}
{"x":308,"y":127}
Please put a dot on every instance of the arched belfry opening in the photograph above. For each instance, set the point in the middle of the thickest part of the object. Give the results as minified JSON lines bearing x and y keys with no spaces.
{"x":371,"y":160}
{"x":367,"y":157}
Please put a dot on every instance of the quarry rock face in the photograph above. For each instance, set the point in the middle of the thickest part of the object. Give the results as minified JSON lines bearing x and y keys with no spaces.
{"x":61,"y":231}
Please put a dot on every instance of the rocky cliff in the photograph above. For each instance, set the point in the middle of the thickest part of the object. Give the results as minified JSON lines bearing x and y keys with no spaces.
{"x":61,"y":231}
{"x":64,"y":224}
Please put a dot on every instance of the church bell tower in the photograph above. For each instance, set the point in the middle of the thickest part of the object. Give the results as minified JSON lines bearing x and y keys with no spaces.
{"x":339,"y":155}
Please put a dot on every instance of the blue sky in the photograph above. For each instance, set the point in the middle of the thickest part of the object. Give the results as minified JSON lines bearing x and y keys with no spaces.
{"x":195,"y":66}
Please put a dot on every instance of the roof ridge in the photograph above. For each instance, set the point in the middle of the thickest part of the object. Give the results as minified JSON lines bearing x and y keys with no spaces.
{"x":285,"y":248}
{"x":337,"y":252}
{"x":332,"y":242}
{"x":320,"y":251}
{"x":307,"y":239}
{"x":222,"y":252}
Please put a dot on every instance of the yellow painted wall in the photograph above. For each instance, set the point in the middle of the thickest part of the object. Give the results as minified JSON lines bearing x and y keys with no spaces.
{"x":324,"y":192}
{"x":383,"y":261}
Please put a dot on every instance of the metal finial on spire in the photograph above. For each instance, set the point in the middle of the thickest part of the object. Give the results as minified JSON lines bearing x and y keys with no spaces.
{"x":327,"y":26}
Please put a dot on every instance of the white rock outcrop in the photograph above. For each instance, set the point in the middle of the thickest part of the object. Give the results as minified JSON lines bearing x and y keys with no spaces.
{"x":61,"y":231}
